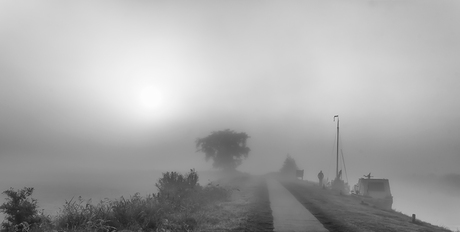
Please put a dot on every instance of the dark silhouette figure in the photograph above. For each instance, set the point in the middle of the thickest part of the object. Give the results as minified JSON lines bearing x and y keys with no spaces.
{"x":368,"y":176}
{"x":340,"y":175}
{"x":320,"y":178}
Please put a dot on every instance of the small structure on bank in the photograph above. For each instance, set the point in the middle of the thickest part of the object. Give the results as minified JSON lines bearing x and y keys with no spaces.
{"x":299,"y":174}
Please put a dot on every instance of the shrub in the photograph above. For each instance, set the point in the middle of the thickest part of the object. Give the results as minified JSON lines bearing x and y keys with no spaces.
{"x":84,"y":215}
{"x":136,"y":212}
{"x":174,"y":187}
{"x":20,"y":209}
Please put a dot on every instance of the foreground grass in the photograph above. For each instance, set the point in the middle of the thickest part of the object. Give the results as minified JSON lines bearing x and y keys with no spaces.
{"x":247,"y":208}
{"x":138,"y":213}
{"x":181,"y":204}
{"x":346,"y":213}
{"x":237,"y":202}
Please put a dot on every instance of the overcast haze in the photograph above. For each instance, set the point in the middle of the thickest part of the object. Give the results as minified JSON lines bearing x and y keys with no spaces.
{"x":99,"y":87}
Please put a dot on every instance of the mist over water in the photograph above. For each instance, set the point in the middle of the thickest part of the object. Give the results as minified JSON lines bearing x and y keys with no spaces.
{"x":430,"y":199}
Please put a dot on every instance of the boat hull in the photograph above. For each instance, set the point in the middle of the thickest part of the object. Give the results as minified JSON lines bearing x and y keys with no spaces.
{"x":375,"y":192}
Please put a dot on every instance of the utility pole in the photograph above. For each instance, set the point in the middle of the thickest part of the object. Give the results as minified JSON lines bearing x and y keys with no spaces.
{"x":337,"y":163}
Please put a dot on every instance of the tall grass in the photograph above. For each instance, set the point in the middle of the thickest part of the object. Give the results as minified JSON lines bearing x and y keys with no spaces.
{"x":178,"y":206}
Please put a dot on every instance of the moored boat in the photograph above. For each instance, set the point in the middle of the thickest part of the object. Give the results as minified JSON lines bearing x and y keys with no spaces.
{"x":372,"y":191}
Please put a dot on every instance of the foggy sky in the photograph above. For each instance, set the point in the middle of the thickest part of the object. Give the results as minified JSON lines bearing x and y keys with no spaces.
{"x":71,"y":74}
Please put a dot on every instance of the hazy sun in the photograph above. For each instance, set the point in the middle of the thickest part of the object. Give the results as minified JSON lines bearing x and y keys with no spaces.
{"x":150,"y":99}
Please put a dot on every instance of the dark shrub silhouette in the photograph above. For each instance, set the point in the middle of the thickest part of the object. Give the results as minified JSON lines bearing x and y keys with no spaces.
{"x":20,"y":209}
{"x":226,"y":148}
{"x":289,"y":167}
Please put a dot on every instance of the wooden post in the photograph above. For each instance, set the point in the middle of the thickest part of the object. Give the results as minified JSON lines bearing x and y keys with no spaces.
{"x":413,"y":218}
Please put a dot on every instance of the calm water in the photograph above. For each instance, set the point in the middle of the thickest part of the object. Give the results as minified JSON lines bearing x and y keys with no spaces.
{"x":428,"y":201}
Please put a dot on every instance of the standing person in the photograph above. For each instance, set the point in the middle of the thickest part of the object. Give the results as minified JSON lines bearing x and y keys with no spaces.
{"x":320,"y":177}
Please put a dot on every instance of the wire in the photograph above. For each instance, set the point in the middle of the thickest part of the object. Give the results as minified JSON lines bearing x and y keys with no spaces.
{"x":343,"y":159}
{"x":332,"y":156}
{"x":344,"y":167}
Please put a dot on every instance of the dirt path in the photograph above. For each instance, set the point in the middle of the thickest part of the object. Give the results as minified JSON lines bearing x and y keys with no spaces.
{"x":288,"y":213}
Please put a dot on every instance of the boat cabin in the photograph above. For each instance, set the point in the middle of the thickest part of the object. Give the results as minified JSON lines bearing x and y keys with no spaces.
{"x":377,"y":189}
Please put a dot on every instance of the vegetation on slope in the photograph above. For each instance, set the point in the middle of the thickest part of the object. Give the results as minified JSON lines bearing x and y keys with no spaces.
{"x":346,"y":213}
{"x":181,"y":204}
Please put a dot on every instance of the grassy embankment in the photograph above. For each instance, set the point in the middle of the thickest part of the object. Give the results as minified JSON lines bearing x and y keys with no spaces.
{"x":247,"y":208}
{"x":346,"y":213}
{"x":235,"y":203}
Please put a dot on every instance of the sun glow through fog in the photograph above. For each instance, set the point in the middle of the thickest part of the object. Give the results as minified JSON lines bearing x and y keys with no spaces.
{"x":149,"y":102}
{"x":150,"y":99}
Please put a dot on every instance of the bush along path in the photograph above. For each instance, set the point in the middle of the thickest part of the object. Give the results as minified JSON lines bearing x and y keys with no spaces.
{"x":180,"y":205}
